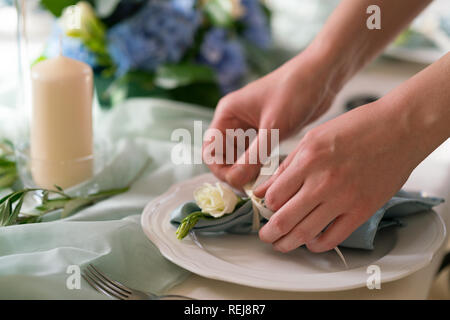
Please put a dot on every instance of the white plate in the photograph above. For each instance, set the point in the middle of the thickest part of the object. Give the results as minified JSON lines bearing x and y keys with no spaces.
{"x":245,"y":260}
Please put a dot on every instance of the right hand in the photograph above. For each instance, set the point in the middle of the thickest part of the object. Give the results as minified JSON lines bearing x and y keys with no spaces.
{"x":287,"y":99}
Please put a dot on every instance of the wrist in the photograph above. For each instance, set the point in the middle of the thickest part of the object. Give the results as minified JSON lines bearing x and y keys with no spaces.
{"x":330,"y":67}
{"x":410,"y":126}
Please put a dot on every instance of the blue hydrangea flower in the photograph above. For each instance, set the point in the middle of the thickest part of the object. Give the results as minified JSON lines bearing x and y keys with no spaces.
{"x":257,"y":29}
{"x":183,"y":5}
{"x":226,"y":57}
{"x":158,"y":33}
{"x":71,"y":47}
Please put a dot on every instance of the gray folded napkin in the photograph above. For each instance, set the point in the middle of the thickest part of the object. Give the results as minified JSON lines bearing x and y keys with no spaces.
{"x":240,"y":222}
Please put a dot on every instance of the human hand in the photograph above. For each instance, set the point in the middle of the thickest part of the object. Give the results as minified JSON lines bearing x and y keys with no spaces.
{"x":338,"y":176}
{"x":287,"y":99}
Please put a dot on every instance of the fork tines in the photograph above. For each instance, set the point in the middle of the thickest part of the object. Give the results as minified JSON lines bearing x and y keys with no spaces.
{"x":104,"y":284}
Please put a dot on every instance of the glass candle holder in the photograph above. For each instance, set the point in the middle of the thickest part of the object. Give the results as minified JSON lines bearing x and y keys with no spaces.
{"x":55,"y":140}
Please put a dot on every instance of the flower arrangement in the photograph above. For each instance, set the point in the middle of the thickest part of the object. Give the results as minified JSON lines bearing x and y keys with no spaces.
{"x":188,"y":50}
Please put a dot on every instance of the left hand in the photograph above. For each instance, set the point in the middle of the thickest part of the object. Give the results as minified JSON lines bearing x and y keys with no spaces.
{"x":339,"y":175}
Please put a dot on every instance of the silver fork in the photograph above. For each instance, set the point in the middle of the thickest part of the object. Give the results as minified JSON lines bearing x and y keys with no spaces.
{"x":102,"y":283}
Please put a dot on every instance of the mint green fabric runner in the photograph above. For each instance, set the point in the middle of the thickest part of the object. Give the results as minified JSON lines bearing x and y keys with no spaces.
{"x":34,"y":258}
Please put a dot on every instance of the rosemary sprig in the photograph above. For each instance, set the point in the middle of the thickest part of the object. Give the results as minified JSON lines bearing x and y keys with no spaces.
{"x":11,"y":204}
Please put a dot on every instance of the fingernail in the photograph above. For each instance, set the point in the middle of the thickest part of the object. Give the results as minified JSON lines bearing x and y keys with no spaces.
{"x":261,"y":190}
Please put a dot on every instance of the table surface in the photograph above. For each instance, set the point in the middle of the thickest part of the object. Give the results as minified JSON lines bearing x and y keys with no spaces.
{"x":432,"y":176}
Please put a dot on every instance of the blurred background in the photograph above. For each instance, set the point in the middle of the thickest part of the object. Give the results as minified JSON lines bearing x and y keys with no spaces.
{"x":186,"y":50}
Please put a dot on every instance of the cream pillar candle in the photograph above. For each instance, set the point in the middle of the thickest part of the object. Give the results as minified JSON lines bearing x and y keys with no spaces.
{"x":61,"y":128}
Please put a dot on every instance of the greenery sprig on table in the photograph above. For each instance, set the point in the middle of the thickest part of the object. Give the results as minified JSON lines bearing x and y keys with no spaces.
{"x":51,"y":200}
{"x":11,"y":205}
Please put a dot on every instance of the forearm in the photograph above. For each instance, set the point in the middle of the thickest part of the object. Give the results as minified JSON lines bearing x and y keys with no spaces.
{"x":345,"y":44}
{"x":420,"y":108}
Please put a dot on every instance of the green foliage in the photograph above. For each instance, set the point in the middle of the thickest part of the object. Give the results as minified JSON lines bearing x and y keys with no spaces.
{"x":172,"y":76}
{"x":203,"y":94}
{"x":56,"y":7}
{"x":219,"y":13}
{"x":189,"y":222}
{"x":11,"y":205}
{"x":185,"y":82}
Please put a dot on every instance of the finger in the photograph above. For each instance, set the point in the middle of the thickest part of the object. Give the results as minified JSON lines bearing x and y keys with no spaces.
{"x":212,"y":153}
{"x":215,"y":138}
{"x":243,"y":171}
{"x":285,"y":219}
{"x":248,"y":166}
{"x":307,"y":229}
{"x":284,"y":187}
{"x":261,"y":190}
{"x":341,"y":228}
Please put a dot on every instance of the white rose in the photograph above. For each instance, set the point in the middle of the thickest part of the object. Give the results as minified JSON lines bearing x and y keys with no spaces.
{"x":216,"y":200}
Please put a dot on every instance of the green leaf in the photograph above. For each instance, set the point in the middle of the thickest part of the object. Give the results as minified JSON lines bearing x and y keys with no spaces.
{"x":53,"y":204}
{"x":177,"y":75}
{"x":219,"y":12}
{"x":42,"y":57}
{"x":8,"y":169}
{"x":7,"y":162}
{"x":11,"y":204}
{"x":56,"y":7}
{"x":186,"y":82}
{"x":95,"y":197}
{"x":6,"y":145}
{"x":5,"y":210}
{"x":133,"y":84}
{"x":31,"y":218}
{"x":8,"y":214}
{"x":75,"y":205}
{"x":188,"y":223}
{"x":203,"y":94}
{"x":16,"y":211}
{"x":7,"y":180}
